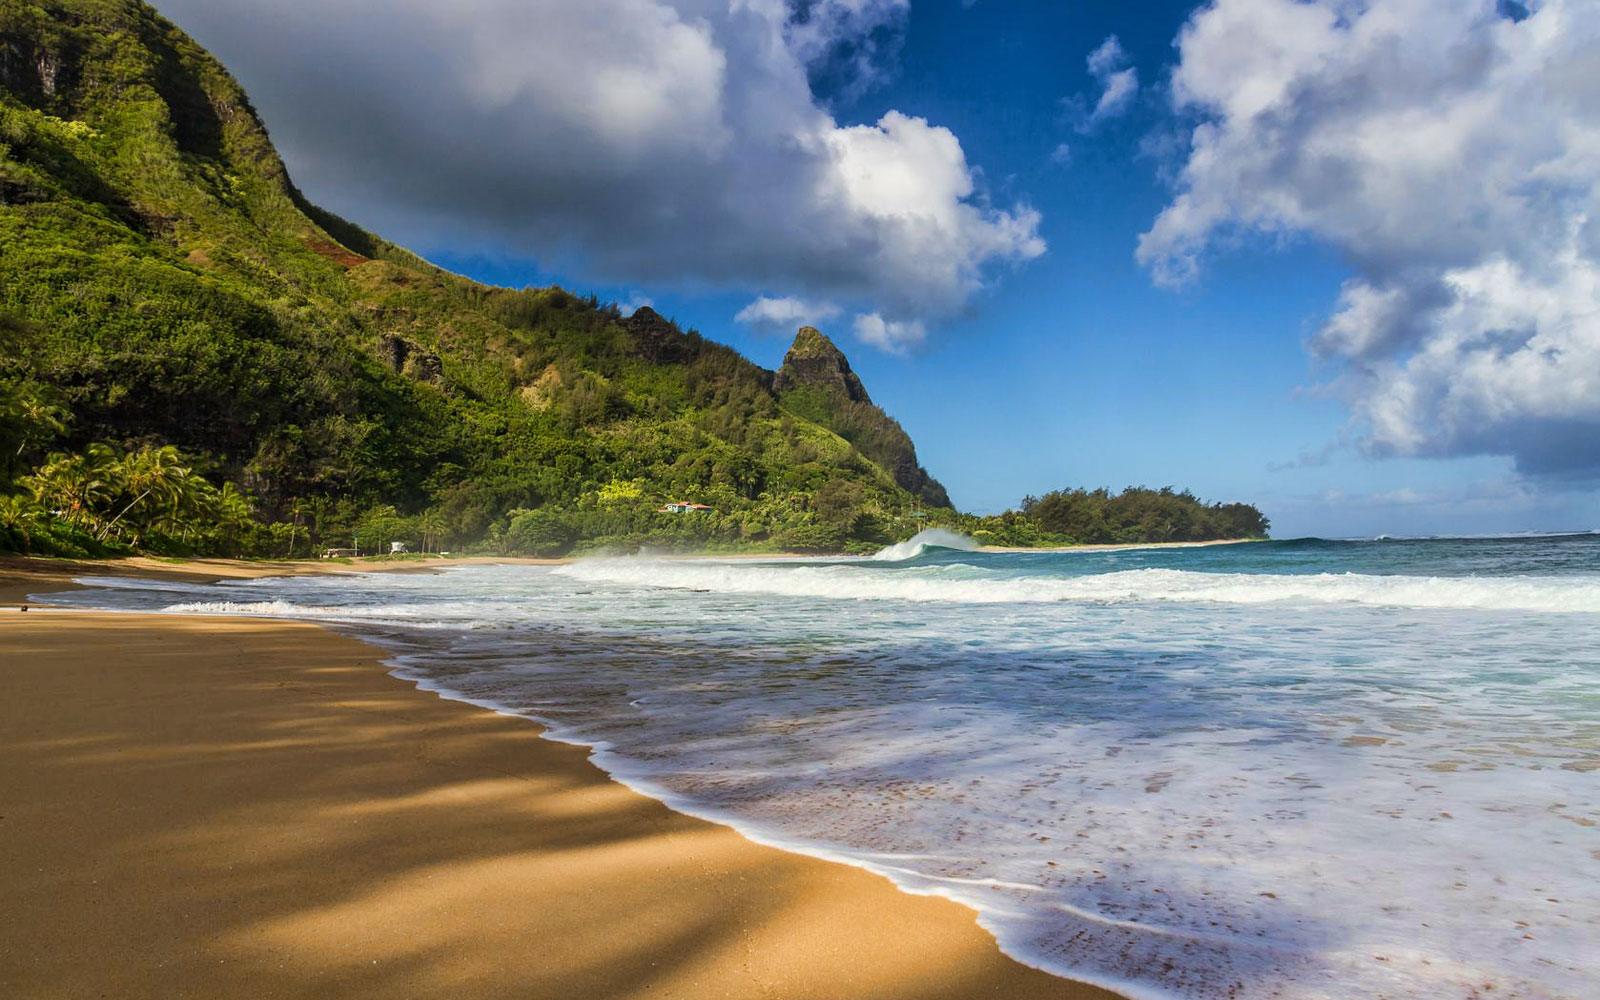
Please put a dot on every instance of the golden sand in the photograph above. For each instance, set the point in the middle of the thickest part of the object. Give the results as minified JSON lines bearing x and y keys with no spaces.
{"x":223,"y":808}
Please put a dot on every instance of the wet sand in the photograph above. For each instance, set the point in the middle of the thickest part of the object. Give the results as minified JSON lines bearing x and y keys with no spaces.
{"x":212,"y":807}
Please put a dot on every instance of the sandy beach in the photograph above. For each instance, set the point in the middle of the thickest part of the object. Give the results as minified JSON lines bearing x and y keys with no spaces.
{"x":217,"y":807}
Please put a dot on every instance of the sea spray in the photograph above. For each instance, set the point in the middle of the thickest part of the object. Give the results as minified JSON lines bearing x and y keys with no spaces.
{"x":923,"y":542}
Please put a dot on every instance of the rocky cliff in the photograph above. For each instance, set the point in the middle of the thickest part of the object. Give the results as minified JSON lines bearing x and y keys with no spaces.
{"x":813,"y":360}
{"x":817,"y":383}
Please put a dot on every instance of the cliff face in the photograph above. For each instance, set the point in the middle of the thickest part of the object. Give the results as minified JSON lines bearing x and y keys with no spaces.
{"x":815,"y":362}
{"x":816,"y":383}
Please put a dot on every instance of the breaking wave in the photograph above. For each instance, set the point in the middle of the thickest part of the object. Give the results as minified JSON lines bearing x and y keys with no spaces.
{"x":924,"y":542}
{"x":267,"y":609}
{"x":965,"y":584}
{"x":1271,"y":771}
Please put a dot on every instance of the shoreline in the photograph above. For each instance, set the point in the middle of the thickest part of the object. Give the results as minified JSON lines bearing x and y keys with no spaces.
{"x":212,"y":569}
{"x":756,"y":920}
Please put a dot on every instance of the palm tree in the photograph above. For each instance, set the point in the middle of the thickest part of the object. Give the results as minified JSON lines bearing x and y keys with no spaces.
{"x":297,"y":512}
{"x":77,"y":487}
{"x":433,"y":526}
{"x":29,"y":421}
{"x":233,"y":513}
{"x":156,"y":478}
{"x":196,"y":508}
{"x":20,"y":518}
{"x":42,"y":421}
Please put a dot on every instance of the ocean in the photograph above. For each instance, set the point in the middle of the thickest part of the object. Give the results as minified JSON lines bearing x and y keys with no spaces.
{"x":1293,"y":769}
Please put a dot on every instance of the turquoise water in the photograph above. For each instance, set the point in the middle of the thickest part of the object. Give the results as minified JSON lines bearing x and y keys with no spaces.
{"x":1297,"y":769}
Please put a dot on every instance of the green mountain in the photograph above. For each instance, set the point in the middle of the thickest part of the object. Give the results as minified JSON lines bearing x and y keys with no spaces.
{"x":162,"y":282}
{"x":816,"y":382}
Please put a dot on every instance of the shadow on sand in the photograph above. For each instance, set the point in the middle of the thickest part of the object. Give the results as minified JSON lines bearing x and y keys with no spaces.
{"x":243,"y":808}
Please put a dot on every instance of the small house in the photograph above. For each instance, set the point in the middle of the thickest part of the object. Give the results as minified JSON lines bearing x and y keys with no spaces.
{"x":683,"y":508}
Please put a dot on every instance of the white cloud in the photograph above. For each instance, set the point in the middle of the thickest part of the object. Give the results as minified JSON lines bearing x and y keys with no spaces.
{"x":669,"y":142}
{"x":907,"y":184}
{"x":894,"y":336}
{"x":1119,"y":82}
{"x":785,"y":314}
{"x":1452,"y":154}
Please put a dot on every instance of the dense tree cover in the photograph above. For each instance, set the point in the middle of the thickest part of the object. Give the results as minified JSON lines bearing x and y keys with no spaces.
{"x":1137,"y":514}
{"x":195,"y":359}
{"x":99,"y":502}
{"x":163,"y":283}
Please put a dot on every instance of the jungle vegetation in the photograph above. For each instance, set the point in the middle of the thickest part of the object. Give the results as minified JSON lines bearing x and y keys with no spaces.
{"x":195,"y":359}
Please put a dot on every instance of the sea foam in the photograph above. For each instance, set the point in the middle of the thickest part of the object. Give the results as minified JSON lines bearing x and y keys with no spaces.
{"x":961,"y":584}
{"x":1288,"y":770}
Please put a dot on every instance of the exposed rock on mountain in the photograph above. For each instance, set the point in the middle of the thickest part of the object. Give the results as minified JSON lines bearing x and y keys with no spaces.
{"x":816,"y":382}
{"x":814,"y":361}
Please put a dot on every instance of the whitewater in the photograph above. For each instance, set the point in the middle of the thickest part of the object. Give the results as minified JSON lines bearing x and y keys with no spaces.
{"x":1301,"y":770}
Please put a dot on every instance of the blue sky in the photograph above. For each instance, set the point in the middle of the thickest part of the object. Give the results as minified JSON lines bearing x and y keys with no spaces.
{"x":1081,"y":364}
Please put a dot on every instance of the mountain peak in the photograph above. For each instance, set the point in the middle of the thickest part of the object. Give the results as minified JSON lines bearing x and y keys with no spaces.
{"x":659,"y":339}
{"x":811,"y":342}
{"x":816,"y":383}
{"x":815,"y":361}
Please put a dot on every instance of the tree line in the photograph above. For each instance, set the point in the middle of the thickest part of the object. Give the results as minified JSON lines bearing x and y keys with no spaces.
{"x":1136,"y":515}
